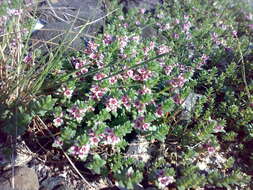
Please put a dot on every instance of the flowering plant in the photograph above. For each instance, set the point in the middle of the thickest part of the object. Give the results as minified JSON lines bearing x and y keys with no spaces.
{"x":166,"y":89}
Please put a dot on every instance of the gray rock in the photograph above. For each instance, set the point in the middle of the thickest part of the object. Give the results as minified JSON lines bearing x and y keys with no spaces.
{"x":147,"y":4}
{"x":55,"y":183}
{"x":139,"y":149}
{"x":24,"y":179}
{"x":188,"y":105}
{"x":22,"y":155}
{"x":64,"y":20}
{"x":53,"y":34}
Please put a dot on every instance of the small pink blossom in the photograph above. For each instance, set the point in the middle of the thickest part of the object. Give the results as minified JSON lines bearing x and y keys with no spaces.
{"x":112,"y":104}
{"x":142,"y":11}
{"x":58,"y":121}
{"x":211,"y":149}
{"x":94,"y":140}
{"x":121,"y":17}
{"x":138,"y":22}
{"x":107,"y":39}
{"x":140,"y":124}
{"x":99,"y":76}
{"x":159,"y":111}
{"x":168,"y":69}
{"x":165,"y":180}
{"x":176,"y":36}
{"x":218,"y":128}
{"x":163,"y":49}
{"x":145,"y":90}
{"x":68,"y":93}
{"x":178,"y":82}
{"x":28,"y":59}
{"x":57,"y":142}
{"x":125,"y":102}
{"x":112,"y":80}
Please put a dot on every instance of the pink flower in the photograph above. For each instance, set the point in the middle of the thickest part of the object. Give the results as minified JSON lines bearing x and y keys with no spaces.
{"x":140,"y":124}
{"x":178,"y":82}
{"x":123,"y":42}
{"x":168,"y":69}
{"x":112,"y":104}
{"x":110,"y":137}
{"x":28,"y":59}
{"x":58,"y":122}
{"x":121,"y":17}
{"x":57,"y":142}
{"x":211,"y":149}
{"x":177,"y":21}
{"x":176,"y":36}
{"x":145,"y":90}
{"x":94,"y":140}
{"x":125,"y":102}
{"x":138,"y":22}
{"x":125,"y":25}
{"x":107,"y":39}
{"x":159,"y":111}
{"x":14,"y":12}
{"x":77,"y":113}
{"x":93,"y":46}
{"x":68,"y":93}
{"x":165,"y":180}
{"x":139,"y":106}
{"x":234,"y":32}
{"x":99,"y":76}
{"x":112,"y":80}
{"x":142,"y":11}
{"x":97,"y":92}
{"x":177,"y":99}
{"x":163,"y":49}
{"x":81,"y":152}
{"x":136,"y":38}
{"x":218,"y":128}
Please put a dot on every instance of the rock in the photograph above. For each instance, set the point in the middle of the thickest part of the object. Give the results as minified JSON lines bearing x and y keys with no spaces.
{"x":147,"y":4}
{"x":139,"y":149}
{"x":65,"y":15}
{"x":55,"y":33}
{"x":24,"y":179}
{"x":55,"y":183}
{"x":22,"y":155}
{"x":188,"y":105}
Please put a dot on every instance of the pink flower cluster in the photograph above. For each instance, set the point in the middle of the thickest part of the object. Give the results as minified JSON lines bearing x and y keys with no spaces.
{"x":77,"y":113}
{"x":163,"y":49}
{"x":126,"y":102}
{"x":107,"y":39}
{"x":80,"y":152}
{"x":78,"y":64}
{"x":163,"y":179}
{"x":140,"y":124}
{"x":99,"y":76}
{"x":142,"y":74}
{"x":178,"y":82}
{"x":97,"y":92}
{"x":109,"y":137}
{"x":14,"y":12}
{"x":112,"y":104}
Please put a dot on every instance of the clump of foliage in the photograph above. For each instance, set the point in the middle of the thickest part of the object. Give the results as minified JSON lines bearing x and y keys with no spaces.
{"x":123,"y":85}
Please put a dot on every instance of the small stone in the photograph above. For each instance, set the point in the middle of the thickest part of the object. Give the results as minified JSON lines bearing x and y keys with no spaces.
{"x":189,"y":105}
{"x":24,"y":179}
